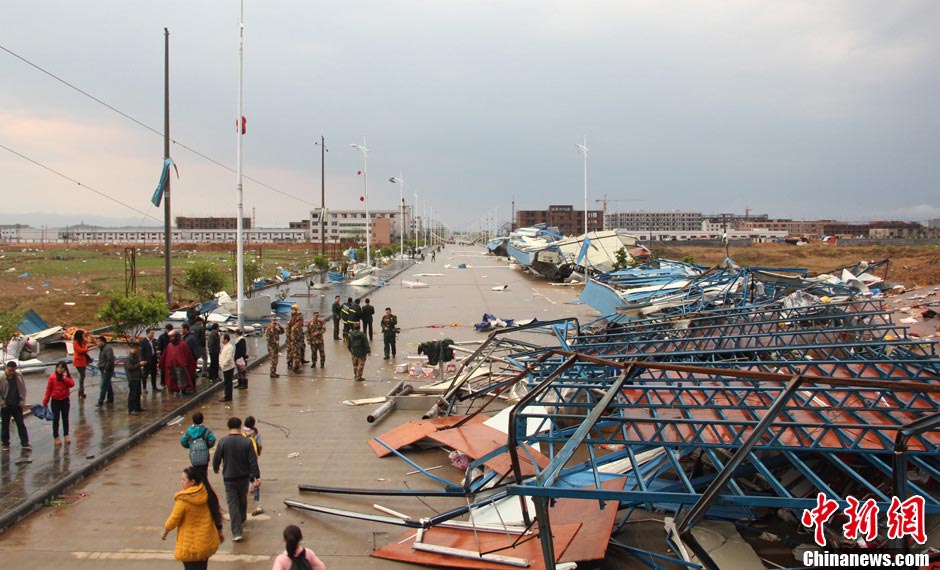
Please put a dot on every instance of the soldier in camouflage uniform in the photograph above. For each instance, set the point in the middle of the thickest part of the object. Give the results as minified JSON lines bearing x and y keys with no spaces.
{"x":293,"y":352}
{"x":273,"y":335}
{"x":315,"y":330}
{"x":295,"y":341}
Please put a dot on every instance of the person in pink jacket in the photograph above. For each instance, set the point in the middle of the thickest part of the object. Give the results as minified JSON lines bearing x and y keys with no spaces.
{"x":58,"y":388}
{"x":293,"y":551}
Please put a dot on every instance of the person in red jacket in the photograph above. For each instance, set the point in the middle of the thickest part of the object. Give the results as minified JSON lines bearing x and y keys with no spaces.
{"x":80,"y":360}
{"x":58,"y":389}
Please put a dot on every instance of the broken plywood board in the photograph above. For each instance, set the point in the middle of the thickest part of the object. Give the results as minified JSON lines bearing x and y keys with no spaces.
{"x":477,"y":440}
{"x":530,"y":550}
{"x":416,"y":430}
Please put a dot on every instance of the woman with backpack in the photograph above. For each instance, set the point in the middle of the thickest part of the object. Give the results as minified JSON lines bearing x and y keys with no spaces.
{"x":58,"y":390}
{"x":295,"y":556}
{"x":198,"y":519}
{"x":198,"y":439}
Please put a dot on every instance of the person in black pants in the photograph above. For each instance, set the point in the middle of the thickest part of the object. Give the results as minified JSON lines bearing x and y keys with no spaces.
{"x":368,"y":312}
{"x":236,"y":453}
{"x":162,"y":343}
{"x":389,"y":330}
{"x":337,"y":309}
{"x":148,"y":359}
{"x":12,"y":400}
{"x":106,"y":367}
{"x":214,"y":346}
{"x":134,"y":370}
{"x":241,"y":352}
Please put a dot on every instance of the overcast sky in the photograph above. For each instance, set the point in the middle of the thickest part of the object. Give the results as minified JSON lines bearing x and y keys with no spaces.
{"x":800,"y":109}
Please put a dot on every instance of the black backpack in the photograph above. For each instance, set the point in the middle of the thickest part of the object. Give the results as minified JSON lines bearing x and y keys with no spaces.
{"x":301,"y":562}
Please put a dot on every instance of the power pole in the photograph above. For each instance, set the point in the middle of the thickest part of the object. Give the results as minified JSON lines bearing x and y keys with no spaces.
{"x":322,"y":195}
{"x":167,"y":259}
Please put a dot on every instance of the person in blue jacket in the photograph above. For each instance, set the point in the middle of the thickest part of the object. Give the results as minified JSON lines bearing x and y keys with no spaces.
{"x":198,"y":439}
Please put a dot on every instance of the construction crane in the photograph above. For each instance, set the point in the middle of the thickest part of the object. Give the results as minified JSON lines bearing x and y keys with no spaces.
{"x":605,"y":200}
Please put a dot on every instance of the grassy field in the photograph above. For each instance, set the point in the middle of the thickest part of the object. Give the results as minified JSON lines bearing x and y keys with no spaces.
{"x":68,"y":286}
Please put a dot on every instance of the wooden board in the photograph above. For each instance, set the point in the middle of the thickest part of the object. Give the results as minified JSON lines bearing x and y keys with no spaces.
{"x":416,"y":430}
{"x":400,"y":549}
{"x":477,"y":440}
{"x":590,"y":543}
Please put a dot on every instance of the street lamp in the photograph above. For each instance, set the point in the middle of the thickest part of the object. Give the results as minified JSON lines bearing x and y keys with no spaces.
{"x":584,"y":152}
{"x":365,"y":181}
{"x":414,"y":215}
{"x":401,"y":213}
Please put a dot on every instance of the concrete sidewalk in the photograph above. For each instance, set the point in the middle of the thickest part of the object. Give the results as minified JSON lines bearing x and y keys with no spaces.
{"x":113,"y":519}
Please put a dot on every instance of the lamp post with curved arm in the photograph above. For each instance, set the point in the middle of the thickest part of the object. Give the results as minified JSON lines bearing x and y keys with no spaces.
{"x":401,"y":213}
{"x":365,"y":180}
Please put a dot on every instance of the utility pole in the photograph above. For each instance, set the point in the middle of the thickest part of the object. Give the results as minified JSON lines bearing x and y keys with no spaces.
{"x":167,"y":260}
{"x":584,"y":151}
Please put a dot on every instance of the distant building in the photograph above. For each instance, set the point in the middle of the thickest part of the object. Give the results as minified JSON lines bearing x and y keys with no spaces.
{"x":564,"y":217}
{"x":187,"y":223}
{"x":810,"y":229}
{"x":350,"y":225}
{"x":667,"y":221}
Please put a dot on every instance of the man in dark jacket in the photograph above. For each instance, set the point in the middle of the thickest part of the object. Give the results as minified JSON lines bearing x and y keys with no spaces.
{"x":148,"y":359}
{"x":199,"y":329}
{"x":349,"y":316}
{"x":337,"y":311}
{"x":12,"y":400}
{"x":358,"y":345}
{"x":214,"y":347}
{"x":106,"y":366}
{"x":162,"y":341}
{"x":190,"y":339}
{"x":368,"y":312}
{"x":389,"y":330}
{"x":237,"y":455}
{"x":133,"y":368}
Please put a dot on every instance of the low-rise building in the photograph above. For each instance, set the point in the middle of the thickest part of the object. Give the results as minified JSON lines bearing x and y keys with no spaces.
{"x":642,"y":220}
{"x":211,"y":223}
{"x":564,"y":217}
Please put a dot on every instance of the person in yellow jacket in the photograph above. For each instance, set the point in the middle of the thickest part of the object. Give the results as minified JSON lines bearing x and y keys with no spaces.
{"x":198,"y":519}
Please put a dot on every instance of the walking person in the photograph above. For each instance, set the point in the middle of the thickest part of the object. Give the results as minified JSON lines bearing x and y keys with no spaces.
{"x":347,"y":313}
{"x":148,"y":359}
{"x":106,"y":367}
{"x":199,"y":331}
{"x":241,"y":359}
{"x":133,"y":367}
{"x":13,"y":399}
{"x":237,"y":455}
{"x":358,"y":345}
{"x":337,"y":312}
{"x":294,"y":553}
{"x":189,"y":338}
{"x":227,"y":361}
{"x":198,"y":519}
{"x":214,"y":347}
{"x":315,"y":331}
{"x":162,"y":341}
{"x":250,"y":431}
{"x":273,"y":335}
{"x":368,"y":313}
{"x":198,"y":439}
{"x":58,"y":389}
{"x":389,"y":332}
{"x":80,"y":359}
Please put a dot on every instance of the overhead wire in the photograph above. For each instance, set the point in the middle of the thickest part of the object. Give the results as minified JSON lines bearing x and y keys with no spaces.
{"x":70,"y":179}
{"x":148,"y":127}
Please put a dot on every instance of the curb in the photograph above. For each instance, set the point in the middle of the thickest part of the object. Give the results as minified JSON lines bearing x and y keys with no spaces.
{"x":36,"y":501}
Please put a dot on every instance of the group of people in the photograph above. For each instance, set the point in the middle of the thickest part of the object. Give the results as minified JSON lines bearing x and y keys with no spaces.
{"x":197,"y":513}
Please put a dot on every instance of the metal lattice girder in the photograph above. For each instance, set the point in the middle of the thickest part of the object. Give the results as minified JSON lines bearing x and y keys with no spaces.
{"x":693,"y":410}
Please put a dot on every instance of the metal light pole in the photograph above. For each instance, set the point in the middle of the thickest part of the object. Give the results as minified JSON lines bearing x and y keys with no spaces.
{"x":401,"y":212}
{"x":323,"y":151}
{"x":414,"y":215}
{"x":365,"y":180}
{"x":584,"y":152}
{"x":239,"y":239}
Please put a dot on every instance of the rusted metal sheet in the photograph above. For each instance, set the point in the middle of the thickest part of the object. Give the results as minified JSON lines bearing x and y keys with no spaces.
{"x":477,"y":440}
{"x":416,"y":430}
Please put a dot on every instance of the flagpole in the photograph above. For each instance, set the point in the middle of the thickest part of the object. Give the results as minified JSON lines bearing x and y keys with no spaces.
{"x":239,"y":222}
{"x":167,"y":254}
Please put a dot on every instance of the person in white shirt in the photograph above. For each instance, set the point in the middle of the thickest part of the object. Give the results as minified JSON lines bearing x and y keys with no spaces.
{"x":227,"y":364}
